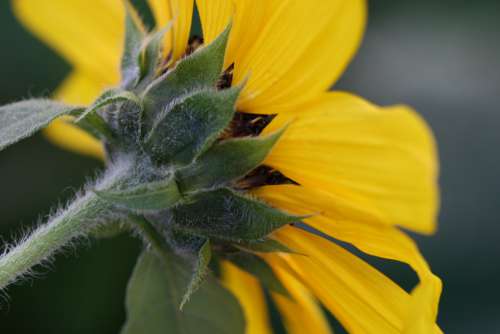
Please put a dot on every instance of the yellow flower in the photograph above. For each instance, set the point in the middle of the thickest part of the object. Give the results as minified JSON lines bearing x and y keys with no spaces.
{"x":362,"y":171}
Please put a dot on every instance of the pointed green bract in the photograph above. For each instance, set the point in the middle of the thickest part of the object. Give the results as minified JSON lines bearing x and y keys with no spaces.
{"x":199,"y":274}
{"x":225,"y":162}
{"x":265,"y":246}
{"x":200,"y":70}
{"x":226,"y":215}
{"x":131,"y":57}
{"x":126,"y":109}
{"x":145,"y":197}
{"x":109,"y":97}
{"x":152,"y":52}
{"x":257,"y":267}
{"x":181,"y":134}
{"x":96,"y":126}
{"x":155,"y":292}
{"x":20,"y":120}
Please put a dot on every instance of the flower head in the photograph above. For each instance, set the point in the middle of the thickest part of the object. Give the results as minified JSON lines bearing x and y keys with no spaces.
{"x":264,"y":168}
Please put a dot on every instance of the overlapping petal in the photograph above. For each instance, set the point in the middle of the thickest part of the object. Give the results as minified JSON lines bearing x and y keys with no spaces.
{"x":301,"y":313}
{"x":362,"y":298}
{"x":290,"y":51}
{"x":182,"y":14}
{"x":381,"y":161}
{"x":371,"y":237}
{"x":251,"y":297}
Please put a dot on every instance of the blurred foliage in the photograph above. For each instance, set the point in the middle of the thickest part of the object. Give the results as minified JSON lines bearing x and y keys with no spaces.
{"x":440,"y":57}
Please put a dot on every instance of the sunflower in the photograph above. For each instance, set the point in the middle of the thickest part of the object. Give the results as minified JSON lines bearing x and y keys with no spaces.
{"x":355,"y":173}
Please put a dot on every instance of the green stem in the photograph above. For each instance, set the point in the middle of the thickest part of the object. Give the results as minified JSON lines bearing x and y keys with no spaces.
{"x":43,"y":242}
{"x":77,"y":219}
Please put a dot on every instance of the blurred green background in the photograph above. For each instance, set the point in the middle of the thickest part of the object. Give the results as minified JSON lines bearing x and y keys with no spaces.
{"x":442,"y":57}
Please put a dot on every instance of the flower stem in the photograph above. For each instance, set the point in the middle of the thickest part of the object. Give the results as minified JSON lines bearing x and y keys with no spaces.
{"x":79,"y":217}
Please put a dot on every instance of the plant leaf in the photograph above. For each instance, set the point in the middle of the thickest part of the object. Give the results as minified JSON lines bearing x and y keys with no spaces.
{"x":224,"y":214}
{"x":200,"y":70}
{"x":200,"y":272}
{"x":181,"y":134}
{"x":225,"y":162}
{"x":131,"y":57}
{"x":259,"y":268}
{"x":146,"y":197}
{"x":155,"y":292}
{"x":22,"y":119}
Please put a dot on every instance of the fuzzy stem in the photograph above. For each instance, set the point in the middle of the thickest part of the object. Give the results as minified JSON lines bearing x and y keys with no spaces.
{"x":79,"y":217}
{"x":76,"y":220}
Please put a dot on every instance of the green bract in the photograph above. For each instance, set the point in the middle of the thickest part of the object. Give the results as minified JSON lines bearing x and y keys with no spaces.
{"x":172,"y":172}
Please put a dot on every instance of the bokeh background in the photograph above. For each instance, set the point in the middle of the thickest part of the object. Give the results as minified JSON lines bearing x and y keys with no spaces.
{"x":442,"y":57}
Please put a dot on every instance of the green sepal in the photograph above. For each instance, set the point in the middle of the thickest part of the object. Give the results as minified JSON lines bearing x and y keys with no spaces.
{"x":109,"y":97}
{"x":181,"y":134}
{"x":145,"y":197}
{"x":226,"y":215}
{"x":131,"y":56}
{"x":200,"y":272}
{"x":96,"y":126}
{"x":225,"y":162}
{"x":152,"y":53}
{"x":264,"y":246}
{"x":259,"y":268}
{"x":20,"y":120}
{"x":92,"y":122}
{"x":155,"y":292}
{"x":200,"y":70}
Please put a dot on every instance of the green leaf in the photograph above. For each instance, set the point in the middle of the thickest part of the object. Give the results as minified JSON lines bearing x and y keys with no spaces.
{"x":134,"y":36}
{"x":146,"y":197}
{"x":200,"y":272}
{"x":259,"y":268}
{"x":181,"y":134}
{"x":225,"y":162}
{"x":155,"y":292}
{"x":265,"y":246}
{"x":198,"y":71}
{"x":152,"y":53}
{"x":224,"y":214}
{"x":20,"y":120}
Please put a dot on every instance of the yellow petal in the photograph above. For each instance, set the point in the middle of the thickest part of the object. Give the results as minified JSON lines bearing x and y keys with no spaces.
{"x":182,"y":14}
{"x":301,"y":313}
{"x":78,"y":89}
{"x":368,"y":236}
{"x":249,"y":18}
{"x":214,"y":17}
{"x":382,"y":158}
{"x":421,"y":315}
{"x":88,"y":34}
{"x":161,"y":12}
{"x":291,"y":50}
{"x":361,"y":298}
{"x":329,"y":217}
{"x":251,"y":297}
